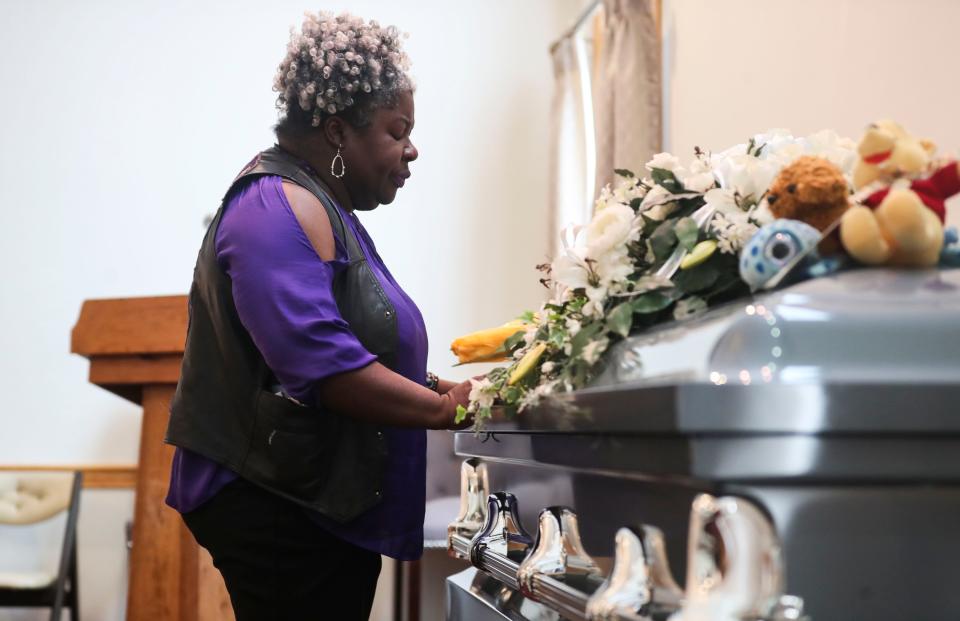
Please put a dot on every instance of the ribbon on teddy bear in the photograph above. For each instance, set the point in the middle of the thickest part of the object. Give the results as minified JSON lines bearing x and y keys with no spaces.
{"x":933,"y":191}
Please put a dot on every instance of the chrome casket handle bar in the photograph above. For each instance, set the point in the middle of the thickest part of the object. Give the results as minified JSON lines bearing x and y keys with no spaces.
{"x":502,"y":540}
{"x":474,"y":490}
{"x":640,"y":585}
{"x":558,"y":570}
{"x":735,"y":566}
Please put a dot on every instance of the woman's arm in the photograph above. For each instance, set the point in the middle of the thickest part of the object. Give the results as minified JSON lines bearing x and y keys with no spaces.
{"x":378,"y":395}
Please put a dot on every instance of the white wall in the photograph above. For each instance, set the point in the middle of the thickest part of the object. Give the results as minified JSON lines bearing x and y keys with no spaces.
{"x":122,"y":123}
{"x":738,"y":67}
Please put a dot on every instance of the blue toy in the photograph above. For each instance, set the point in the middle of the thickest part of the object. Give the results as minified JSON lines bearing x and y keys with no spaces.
{"x":778,"y":246}
{"x":950,"y":255}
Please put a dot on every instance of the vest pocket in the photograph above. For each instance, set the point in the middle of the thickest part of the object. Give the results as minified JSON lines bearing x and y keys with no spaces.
{"x":292,"y":445}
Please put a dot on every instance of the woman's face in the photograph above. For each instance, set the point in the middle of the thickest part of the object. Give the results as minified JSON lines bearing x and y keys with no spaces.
{"x":378,"y":156}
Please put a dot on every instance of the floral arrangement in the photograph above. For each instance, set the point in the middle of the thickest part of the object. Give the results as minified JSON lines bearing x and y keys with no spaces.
{"x":660,"y":247}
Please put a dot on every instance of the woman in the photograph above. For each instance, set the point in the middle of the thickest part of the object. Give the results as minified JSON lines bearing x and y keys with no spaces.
{"x":301,"y":411}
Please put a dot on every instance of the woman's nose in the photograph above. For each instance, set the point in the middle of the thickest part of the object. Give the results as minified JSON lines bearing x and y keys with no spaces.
{"x":410,"y":153}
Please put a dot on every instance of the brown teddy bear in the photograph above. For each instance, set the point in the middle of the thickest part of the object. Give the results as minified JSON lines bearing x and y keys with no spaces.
{"x":811,"y":190}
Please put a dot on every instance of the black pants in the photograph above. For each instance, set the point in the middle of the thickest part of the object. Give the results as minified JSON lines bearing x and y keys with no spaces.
{"x":277,"y":563}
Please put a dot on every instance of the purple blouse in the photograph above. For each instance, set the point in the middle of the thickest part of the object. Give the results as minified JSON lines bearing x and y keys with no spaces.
{"x":284,"y":298}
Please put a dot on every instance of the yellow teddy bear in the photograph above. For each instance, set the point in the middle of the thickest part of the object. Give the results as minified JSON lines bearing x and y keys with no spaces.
{"x":900,"y":215}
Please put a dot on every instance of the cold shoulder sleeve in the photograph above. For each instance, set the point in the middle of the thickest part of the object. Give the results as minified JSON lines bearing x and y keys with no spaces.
{"x":283,"y":290}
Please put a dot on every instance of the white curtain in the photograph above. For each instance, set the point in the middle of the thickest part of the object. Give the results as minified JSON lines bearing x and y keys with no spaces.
{"x":627,"y":89}
{"x":572,"y":132}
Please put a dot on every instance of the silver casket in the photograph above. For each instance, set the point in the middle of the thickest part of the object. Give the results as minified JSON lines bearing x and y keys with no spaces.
{"x":792,"y":456}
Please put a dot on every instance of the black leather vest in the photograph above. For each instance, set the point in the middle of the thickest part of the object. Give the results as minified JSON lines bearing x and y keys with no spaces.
{"x":224,"y":407}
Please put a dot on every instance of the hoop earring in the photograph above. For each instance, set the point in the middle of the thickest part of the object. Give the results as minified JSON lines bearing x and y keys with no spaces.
{"x":333,"y":165}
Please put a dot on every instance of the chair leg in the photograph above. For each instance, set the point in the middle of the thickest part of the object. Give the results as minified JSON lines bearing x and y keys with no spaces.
{"x":74,"y":587}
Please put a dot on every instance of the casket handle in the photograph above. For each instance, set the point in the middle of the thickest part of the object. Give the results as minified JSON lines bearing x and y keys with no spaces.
{"x":735,"y":567}
{"x":641,"y":582}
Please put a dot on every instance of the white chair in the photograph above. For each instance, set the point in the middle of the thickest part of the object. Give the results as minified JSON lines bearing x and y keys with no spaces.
{"x":29,"y":498}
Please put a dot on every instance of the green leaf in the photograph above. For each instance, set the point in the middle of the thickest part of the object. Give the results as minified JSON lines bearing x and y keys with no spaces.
{"x":623,"y":172}
{"x":666,"y":179}
{"x":635,"y":203}
{"x":512,"y":394}
{"x":663,"y":240}
{"x":696,"y":278}
{"x":558,"y":336}
{"x":513,"y":340}
{"x":576,"y":304}
{"x":541,"y":334}
{"x":461,"y":415}
{"x":650,"y":225}
{"x":687,"y":207}
{"x":687,"y":233}
{"x":582,"y":338}
{"x":620,"y":319}
{"x":578,"y":373}
{"x":651,"y":302}
{"x":527,"y":316}
{"x":661,"y":175}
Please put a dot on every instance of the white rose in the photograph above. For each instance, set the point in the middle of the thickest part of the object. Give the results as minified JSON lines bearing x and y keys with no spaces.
{"x":699,"y":182}
{"x":829,"y":145}
{"x":665,"y":161}
{"x":784,"y":154}
{"x":608,"y":230}
{"x":700,"y":164}
{"x":573,"y":326}
{"x":615,"y":266}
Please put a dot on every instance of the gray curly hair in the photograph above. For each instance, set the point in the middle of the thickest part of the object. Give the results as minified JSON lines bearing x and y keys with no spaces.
{"x":339,"y":65}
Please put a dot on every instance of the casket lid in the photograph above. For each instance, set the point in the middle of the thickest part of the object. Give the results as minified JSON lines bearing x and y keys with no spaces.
{"x":860,"y":326}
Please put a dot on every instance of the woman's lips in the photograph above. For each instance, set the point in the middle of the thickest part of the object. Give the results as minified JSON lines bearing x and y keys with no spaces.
{"x":399,"y":179}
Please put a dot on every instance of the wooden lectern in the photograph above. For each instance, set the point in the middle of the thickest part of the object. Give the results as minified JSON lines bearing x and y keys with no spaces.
{"x":135,"y":347}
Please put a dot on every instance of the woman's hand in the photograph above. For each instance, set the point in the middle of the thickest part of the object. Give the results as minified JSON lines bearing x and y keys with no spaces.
{"x":456,"y":394}
{"x":445,"y":386}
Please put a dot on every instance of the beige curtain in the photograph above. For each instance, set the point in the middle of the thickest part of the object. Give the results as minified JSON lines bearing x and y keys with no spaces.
{"x":627,"y":89}
{"x":572,"y":134}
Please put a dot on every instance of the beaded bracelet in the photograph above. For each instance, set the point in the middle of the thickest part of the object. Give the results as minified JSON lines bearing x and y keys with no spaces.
{"x":433,"y":382}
